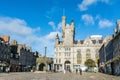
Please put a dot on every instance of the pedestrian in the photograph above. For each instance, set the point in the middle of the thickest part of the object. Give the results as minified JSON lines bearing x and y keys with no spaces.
{"x":7,"y":70}
{"x":80,"y":70}
{"x":54,"y":70}
{"x":76,"y":71}
{"x":64,"y":71}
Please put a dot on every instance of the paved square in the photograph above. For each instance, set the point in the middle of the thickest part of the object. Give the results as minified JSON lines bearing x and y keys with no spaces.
{"x":56,"y":76}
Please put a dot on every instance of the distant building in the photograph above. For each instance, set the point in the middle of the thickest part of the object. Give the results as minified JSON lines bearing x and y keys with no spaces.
{"x":14,"y":58}
{"x":4,"y":53}
{"x":27,"y":59}
{"x":21,"y":58}
{"x":5,"y":38}
{"x":71,"y":54}
{"x":17,"y":57}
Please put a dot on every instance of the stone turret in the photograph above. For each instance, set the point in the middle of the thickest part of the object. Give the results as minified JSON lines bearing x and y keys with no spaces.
{"x":72,"y":23}
{"x":57,"y":40}
{"x":67,"y":32}
{"x":118,"y":25}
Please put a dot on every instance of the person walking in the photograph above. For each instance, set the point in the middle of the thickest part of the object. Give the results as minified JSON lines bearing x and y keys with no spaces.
{"x":80,"y":70}
{"x":76,"y":71}
{"x":64,"y":71}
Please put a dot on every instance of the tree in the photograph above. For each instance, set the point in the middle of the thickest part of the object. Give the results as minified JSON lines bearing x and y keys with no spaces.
{"x":90,"y":63}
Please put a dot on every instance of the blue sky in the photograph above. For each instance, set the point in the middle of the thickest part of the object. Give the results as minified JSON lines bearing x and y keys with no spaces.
{"x":36,"y":22}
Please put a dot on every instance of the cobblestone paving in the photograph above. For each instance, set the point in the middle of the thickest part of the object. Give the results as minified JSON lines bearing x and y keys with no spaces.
{"x":56,"y":76}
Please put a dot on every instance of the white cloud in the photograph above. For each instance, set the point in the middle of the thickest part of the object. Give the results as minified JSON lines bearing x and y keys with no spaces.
{"x":15,"y":26}
{"x":19,"y":30}
{"x":86,"y":3}
{"x":88,"y":19}
{"x":55,"y":27}
{"x":52,"y":24}
{"x":105,"y":23}
{"x":52,"y":35}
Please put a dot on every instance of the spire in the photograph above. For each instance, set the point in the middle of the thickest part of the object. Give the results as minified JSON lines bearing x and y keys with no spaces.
{"x":118,"y":25}
{"x":72,"y":23}
{"x":57,"y":40}
{"x":57,"y":37}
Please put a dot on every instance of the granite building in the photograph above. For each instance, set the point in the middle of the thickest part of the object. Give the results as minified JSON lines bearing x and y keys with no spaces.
{"x":71,"y":54}
{"x":109,"y":53}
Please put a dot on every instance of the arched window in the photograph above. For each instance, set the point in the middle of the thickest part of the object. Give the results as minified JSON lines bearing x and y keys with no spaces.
{"x":79,"y":57}
{"x":88,"y":55}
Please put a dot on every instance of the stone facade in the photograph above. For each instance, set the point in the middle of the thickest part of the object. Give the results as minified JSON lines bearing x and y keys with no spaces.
{"x":71,"y":54}
{"x":27,"y":58}
{"x":14,"y":59}
{"x":109,"y":53}
{"x":116,"y":50}
{"x":105,"y":55}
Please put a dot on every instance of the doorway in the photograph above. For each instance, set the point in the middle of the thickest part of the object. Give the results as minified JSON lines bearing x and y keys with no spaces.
{"x":67,"y":65}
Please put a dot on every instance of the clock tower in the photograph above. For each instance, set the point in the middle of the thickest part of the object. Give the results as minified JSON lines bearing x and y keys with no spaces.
{"x":67,"y":32}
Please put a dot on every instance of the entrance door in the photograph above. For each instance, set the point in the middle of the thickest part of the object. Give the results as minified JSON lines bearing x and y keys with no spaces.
{"x":67,"y":65}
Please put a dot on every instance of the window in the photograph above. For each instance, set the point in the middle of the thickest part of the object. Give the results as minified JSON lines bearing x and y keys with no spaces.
{"x":59,"y":54}
{"x":67,"y":49}
{"x":16,"y":55}
{"x":88,"y":55}
{"x":11,"y":55}
{"x":69,"y":54}
{"x":79,"y":57}
{"x":56,"y":60}
{"x":59,"y":60}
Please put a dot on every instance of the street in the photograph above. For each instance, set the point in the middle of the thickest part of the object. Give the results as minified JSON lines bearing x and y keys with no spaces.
{"x":56,"y":76}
